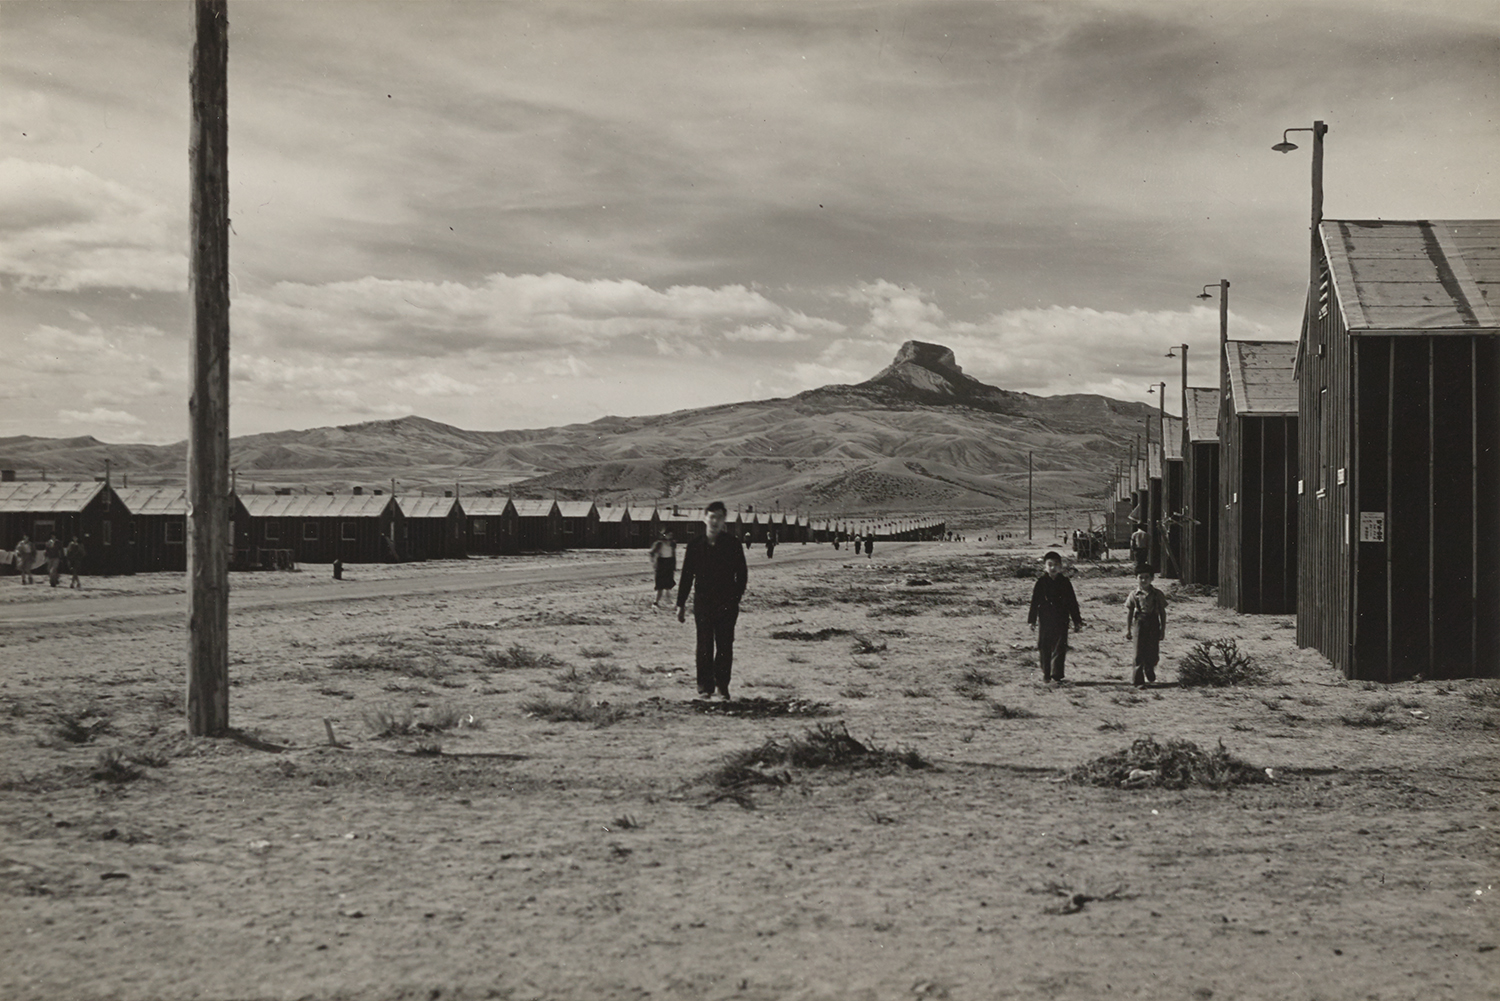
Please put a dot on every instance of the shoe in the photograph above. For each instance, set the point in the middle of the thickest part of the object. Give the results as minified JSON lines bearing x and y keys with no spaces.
{"x":724,"y":695}
{"x":704,"y":696}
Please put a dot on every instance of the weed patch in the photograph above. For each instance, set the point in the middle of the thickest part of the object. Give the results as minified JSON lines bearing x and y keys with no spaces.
{"x":999,"y":710}
{"x":116,"y":767}
{"x":517,"y":657}
{"x":866,"y":644}
{"x":79,"y":727}
{"x":1177,"y":764}
{"x":805,"y":636}
{"x":1219,"y":663}
{"x":761,"y":707}
{"x":578,"y":709}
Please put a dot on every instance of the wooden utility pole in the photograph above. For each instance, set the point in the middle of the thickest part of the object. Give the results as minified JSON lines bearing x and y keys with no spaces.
{"x":208,"y":408}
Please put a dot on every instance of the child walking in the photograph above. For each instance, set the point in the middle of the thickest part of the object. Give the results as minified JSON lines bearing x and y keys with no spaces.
{"x":1053,"y":603}
{"x":1146,"y":615}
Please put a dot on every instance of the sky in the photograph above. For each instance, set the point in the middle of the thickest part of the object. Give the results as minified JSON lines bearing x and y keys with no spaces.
{"x":508,"y":215}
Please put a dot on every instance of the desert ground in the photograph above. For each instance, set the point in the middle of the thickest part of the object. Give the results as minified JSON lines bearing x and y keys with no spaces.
{"x":514,"y":796}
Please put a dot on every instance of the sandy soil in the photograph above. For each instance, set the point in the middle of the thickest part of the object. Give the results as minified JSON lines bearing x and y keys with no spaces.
{"x":535,"y":859}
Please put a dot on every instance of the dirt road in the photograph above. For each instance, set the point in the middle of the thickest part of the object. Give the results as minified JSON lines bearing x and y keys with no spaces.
{"x":437,"y":578}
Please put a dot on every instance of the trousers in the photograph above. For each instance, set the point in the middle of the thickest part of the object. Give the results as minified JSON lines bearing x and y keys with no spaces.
{"x":1147,"y":649}
{"x":1052,"y":646}
{"x":715,"y":653}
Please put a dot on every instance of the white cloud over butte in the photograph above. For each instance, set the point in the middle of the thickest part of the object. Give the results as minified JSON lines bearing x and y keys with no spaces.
{"x":509,"y":313}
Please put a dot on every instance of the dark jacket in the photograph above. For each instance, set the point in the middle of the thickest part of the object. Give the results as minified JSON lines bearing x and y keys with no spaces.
{"x":717,"y":570}
{"x":1054,"y":603}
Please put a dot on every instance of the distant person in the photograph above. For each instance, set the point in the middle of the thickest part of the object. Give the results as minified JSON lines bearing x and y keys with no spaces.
{"x":25,"y":559}
{"x":869,"y":545}
{"x":74,"y":554}
{"x":1138,"y":548}
{"x":338,"y":569}
{"x":54,"y":555}
{"x":1146,"y":613}
{"x":715,"y":565}
{"x":664,"y":563}
{"x":1053,"y":603}
{"x":770,"y":544}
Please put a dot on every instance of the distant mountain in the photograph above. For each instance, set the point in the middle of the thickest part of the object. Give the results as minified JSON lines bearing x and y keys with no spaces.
{"x":918,"y":435}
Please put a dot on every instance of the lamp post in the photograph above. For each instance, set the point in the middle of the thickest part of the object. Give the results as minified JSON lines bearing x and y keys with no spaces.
{"x":1223,"y":334}
{"x":1172,"y":354}
{"x":1319,"y":130}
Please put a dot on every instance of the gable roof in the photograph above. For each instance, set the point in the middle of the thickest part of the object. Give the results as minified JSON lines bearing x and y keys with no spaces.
{"x":1429,"y":275}
{"x":427,"y":507}
{"x":575,"y":509}
{"x":316,"y":505}
{"x":641,"y":513}
{"x":154,"y":500}
{"x":1262,"y":377}
{"x":620,"y":514}
{"x":534,"y":508}
{"x":487,"y":507}
{"x":1203,"y":414}
{"x":48,"y":495}
{"x":1172,"y":429}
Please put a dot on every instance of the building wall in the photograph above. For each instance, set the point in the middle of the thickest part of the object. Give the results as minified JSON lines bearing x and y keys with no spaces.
{"x":1172,"y":492}
{"x":322,"y":540}
{"x":1258,"y":545}
{"x":1201,"y":498}
{"x":1426,"y":442}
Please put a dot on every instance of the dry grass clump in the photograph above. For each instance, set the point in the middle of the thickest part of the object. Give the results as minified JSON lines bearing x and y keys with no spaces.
{"x":1374,"y":716}
{"x":397,"y":663}
{"x":999,"y":710}
{"x":79,"y":727}
{"x":867,"y":644}
{"x":517,"y":657}
{"x":1219,"y":663}
{"x":115,"y":766}
{"x":805,"y":636}
{"x":389,"y":721}
{"x":600,"y":671}
{"x":828,"y":745}
{"x":854,"y":692}
{"x":595,"y":652}
{"x":971,"y":684}
{"x":1177,"y":764}
{"x":578,"y":709}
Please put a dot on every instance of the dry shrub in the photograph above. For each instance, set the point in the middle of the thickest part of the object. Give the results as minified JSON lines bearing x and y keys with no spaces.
{"x":605,"y":672}
{"x":595,"y":652}
{"x":828,"y":745}
{"x":1177,"y":764}
{"x":79,"y":727}
{"x":1219,"y":663}
{"x":999,"y":710}
{"x":115,"y":766}
{"x":517,"y":657}
{"x":389,"y":721}
{"x":578,"y":709}
{"x":1374,"y":716}
{"x":804,"y":636}
{"x":397,"y":663}
{"x":866,"y":644}
{"x":854,"y":692}
{"x":972,"y":683}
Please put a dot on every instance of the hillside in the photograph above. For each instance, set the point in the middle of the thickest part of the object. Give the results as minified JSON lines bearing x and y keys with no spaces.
{"x":920,"y":434}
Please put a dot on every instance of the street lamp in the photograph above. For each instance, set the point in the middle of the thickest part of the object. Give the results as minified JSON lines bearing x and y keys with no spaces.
{"x":1172,"y":353}
{"x":1319,"y":130}
{"x":1223,"y":333}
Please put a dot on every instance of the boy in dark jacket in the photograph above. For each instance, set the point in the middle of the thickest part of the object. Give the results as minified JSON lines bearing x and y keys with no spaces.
{"x":1053,"y":603}
{"x":715,"y":565}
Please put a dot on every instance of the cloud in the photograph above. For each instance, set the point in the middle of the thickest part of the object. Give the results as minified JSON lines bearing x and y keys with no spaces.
{"x":99,"y":415}
{"x":504,"y":314}
{"x":766,"y":333}
{"x":64,"y":229}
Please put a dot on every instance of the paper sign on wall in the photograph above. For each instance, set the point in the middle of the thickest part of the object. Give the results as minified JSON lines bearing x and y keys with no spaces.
{"x":1372,"y":526}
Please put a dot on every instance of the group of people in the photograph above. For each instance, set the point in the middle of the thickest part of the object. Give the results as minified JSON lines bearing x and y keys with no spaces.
{"x":54,"y":555}
{"x":715,"y":575}
{"x":1054,"y":605}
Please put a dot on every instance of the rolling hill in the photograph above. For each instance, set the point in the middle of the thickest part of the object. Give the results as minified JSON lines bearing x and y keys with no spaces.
{"x":919,"y":435}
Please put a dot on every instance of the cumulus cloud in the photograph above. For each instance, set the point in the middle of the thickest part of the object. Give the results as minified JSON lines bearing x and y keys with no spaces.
{"x":767,"y":333}
{"x":505,"y":313}
{"x":101,"y":416}
{"x":63,"y":229}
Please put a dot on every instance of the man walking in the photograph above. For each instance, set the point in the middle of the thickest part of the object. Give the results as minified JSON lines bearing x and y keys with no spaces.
{"x":54,"y":554}
{"x":25,"y":555}
{"x":74,"y":555}
{"x":714,"y":564}
{"x":1053,"y":603}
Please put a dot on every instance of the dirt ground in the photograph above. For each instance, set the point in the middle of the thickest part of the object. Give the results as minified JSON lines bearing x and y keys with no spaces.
{"x":490,"y":852}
